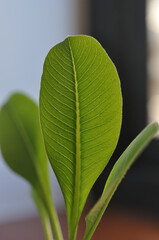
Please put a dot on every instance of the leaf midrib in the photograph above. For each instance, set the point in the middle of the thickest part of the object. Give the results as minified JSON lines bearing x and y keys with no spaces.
{"x":76,"y":191}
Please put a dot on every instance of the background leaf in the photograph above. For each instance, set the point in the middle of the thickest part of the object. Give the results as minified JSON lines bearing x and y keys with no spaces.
{"x":116,"y":175}
{"x":23,"y":149}
{"x":80,"y":111}
{"x":21,"y":140}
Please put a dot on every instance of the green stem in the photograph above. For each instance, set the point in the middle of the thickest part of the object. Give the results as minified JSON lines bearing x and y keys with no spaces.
{"x":47,"y":226}
{"x":47,"y":199}
{"x":43,"y":214}
{"x":73,"y":237}
{"x":48,"y":230}
{"x":53,"y":219}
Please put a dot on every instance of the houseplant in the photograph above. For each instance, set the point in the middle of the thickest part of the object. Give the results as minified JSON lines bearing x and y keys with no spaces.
{"x":80,"y":113}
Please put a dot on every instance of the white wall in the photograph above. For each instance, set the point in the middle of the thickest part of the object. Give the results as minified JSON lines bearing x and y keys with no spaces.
{"x":28,"y":29}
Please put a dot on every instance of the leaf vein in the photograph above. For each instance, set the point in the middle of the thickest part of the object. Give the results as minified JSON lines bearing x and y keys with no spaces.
{"x":53,"y":106}
{"x":65,"y":165}
{"x":58,"y":119}
{"x":62,"y":75}
{"x":46,"y":80}
{"x":59,"y":82}
{"x":60,"y":144}
{"x":66,"y":130}
{"x":56,"y":98}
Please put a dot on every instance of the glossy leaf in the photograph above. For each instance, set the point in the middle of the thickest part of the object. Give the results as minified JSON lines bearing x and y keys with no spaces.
{"x":80,"y":111}
{"x":116,"y":175}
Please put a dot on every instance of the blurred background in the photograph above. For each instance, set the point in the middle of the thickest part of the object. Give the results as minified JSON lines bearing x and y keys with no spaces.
{"x":129,"y":31}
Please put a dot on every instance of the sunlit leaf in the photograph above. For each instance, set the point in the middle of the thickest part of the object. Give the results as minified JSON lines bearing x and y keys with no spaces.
{"x":80,"y":111}
{"x":116,"y":175}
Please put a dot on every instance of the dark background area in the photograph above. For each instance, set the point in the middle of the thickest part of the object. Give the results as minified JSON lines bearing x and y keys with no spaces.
{"x":120,"y":27}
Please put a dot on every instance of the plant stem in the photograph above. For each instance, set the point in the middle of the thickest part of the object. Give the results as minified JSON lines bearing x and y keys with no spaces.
{"x":51,"y":211}
{"x":47,"y":226}
{"x":73,"y":236}
{"x":54,"y":219}
{"x":43,"y":214}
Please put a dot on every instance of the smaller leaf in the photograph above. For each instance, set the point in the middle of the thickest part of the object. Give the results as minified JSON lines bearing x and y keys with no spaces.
{"x":116,"y":175}
{"x":23,"y":149}
{"x":21,"y":140}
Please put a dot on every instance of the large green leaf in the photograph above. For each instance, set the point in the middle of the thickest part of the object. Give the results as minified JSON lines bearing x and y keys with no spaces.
{"x":80,"y":111}
{"x":116,"y":175}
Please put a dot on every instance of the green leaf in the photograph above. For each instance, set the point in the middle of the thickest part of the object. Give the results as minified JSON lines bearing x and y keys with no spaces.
{"x":80,"y":111}
{"x":23,"y":149}
{"x":21,"y":140}
{"x":116,"y":175}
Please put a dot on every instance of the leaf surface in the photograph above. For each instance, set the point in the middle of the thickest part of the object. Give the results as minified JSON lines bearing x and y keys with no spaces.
{"x":80,"y":112}
{"x":116,"y":175}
